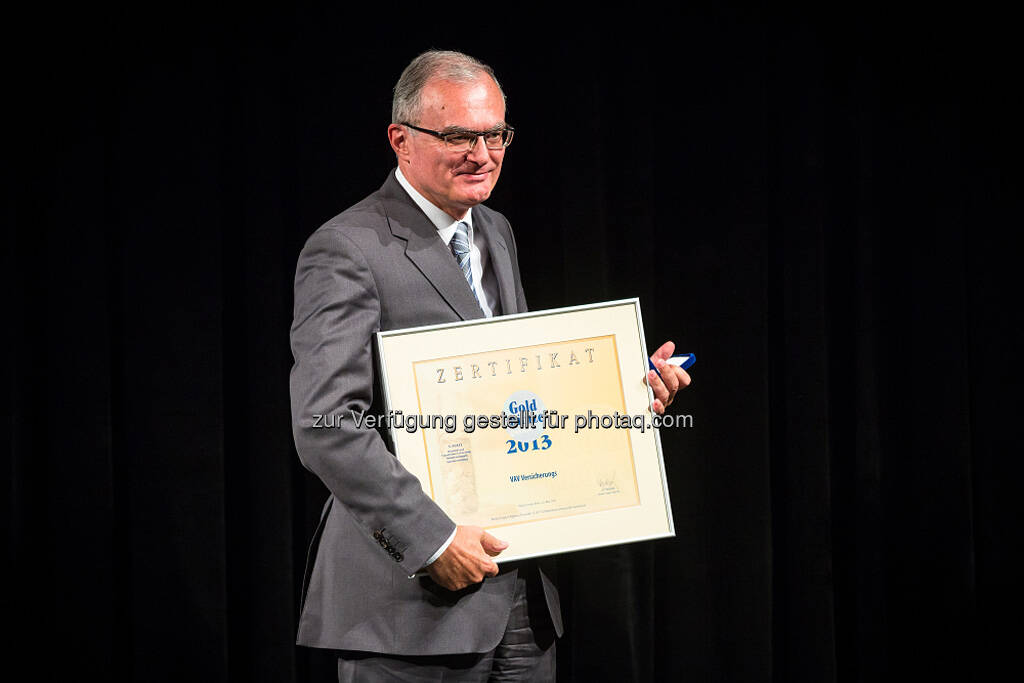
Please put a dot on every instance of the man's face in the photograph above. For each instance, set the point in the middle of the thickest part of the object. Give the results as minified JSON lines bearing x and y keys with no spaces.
{"x":454,"y":181}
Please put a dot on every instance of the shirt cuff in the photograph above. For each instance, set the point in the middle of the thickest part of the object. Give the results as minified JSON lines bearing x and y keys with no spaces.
{"x":440,"y":551}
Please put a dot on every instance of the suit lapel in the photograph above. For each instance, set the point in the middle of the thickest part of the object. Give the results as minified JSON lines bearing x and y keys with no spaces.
{"x":501,"y":261}
{"x":427,"y":251}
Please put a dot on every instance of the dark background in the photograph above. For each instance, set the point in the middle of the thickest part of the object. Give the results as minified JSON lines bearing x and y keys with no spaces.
{"x":819,"y":206}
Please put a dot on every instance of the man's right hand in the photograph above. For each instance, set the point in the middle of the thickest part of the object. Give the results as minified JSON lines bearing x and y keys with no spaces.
{"x":467,"y":559}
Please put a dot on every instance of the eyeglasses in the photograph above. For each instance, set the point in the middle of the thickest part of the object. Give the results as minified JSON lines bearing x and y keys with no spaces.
{"x":463,"y":140}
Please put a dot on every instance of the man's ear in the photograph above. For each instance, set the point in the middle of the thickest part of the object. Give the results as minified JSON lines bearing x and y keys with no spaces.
{"x":398,"y":136}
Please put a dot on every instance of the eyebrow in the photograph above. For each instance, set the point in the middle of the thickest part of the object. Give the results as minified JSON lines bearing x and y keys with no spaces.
{"x":459,"y":129}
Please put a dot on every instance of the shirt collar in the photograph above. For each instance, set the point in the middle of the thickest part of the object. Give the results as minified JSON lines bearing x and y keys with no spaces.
{"x":442,"y":221}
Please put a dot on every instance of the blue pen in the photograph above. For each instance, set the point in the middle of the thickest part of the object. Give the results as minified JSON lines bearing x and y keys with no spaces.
{"x":682,"y":360}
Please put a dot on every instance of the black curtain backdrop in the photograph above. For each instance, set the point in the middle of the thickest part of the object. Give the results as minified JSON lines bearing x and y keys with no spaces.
{"x":818,"y":206}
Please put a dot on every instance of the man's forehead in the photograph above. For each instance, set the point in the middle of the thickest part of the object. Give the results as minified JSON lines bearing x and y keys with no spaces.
{"x":473,"y":105}
{"x":468,"y":82}
{"x":446,"y":94}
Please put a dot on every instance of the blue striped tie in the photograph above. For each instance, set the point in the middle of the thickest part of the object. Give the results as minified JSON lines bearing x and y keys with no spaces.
{"x":460,"y":247}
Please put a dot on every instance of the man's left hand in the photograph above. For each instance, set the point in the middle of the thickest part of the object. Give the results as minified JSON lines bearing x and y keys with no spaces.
{"x":672,"y":378}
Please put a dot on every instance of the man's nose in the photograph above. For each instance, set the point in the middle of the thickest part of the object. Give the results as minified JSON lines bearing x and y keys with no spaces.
{"x":479,"y":152}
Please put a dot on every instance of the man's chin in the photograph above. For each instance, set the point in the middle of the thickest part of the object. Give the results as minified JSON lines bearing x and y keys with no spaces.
{"x":474,"y":195}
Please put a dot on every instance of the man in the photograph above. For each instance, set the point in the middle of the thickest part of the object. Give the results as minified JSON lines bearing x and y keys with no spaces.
{"x":420,"y":250}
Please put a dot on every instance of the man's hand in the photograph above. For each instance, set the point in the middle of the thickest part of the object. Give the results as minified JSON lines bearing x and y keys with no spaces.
{"x":467,"y":560}
{"x":671,"y":381}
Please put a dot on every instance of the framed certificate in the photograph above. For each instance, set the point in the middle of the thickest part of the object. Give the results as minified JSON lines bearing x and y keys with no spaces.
{"x":535,"y":426}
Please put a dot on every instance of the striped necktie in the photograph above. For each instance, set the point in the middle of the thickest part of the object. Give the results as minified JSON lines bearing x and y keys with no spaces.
{"x":461,"y":248}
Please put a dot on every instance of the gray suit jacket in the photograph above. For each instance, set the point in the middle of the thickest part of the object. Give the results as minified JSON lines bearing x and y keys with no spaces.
{"x":381,"y":265}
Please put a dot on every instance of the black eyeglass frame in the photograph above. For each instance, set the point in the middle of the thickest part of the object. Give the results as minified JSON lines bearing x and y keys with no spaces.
{"x":443,"y":136}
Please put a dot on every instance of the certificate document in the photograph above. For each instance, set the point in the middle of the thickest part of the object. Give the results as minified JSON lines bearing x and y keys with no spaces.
{"x":535,"y":426}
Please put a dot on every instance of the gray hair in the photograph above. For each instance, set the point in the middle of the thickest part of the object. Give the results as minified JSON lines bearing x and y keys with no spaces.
{"x":441,"y":64}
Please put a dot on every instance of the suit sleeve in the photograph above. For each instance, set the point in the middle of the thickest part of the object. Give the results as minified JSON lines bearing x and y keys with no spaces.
{"x":337,"y":311}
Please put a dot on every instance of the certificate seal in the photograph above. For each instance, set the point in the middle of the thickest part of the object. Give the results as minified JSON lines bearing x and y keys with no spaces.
{"x":529,"y":409}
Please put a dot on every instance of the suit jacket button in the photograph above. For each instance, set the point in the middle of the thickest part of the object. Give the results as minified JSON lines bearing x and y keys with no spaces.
{"x":398,"y":557}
